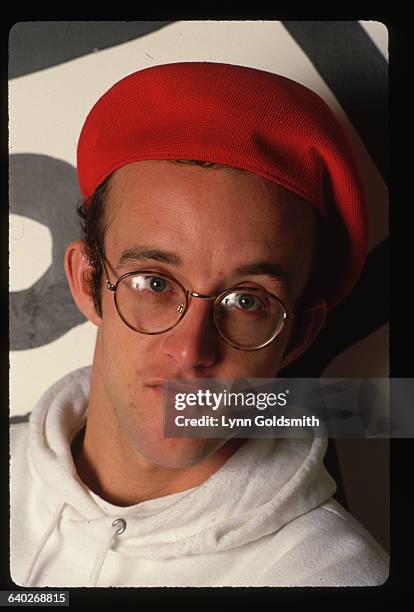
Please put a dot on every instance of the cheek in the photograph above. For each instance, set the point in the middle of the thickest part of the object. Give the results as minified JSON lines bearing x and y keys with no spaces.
{"x":264,"y":363}
{"x":122,"y":351}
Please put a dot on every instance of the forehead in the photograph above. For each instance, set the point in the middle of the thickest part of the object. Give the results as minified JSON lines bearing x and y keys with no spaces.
{"x":207,"y":215}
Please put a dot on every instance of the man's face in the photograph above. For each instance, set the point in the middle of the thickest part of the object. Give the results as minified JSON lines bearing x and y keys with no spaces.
{"x":210,"y":222}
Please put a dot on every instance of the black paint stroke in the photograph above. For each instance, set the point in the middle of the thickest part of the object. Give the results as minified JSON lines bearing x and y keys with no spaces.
{"x":356,"y":72}
{"x":24,"y":418}
{"x":46,"y":190}
{"x":36,"y":45}
{"x":364,"y":311}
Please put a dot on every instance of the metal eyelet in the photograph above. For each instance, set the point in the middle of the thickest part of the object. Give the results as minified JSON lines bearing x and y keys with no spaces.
{"x":122,"y":525}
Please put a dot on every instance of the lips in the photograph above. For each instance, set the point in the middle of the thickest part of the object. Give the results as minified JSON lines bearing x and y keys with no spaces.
{"x":157,"y":388}
{"x":178,"y":384}
{"x":156,"y":382}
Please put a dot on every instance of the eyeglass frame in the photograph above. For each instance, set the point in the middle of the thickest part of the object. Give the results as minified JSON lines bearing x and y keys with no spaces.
{"x":189,"y":294}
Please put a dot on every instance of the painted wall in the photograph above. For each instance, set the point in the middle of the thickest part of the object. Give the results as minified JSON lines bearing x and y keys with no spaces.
{"x":58,"y":70}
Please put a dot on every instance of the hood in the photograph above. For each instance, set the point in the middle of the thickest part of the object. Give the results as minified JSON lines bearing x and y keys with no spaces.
{"x":264,"y":485}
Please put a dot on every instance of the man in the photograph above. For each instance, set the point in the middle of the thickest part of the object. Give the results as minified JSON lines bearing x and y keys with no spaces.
{"x":223,"y":216}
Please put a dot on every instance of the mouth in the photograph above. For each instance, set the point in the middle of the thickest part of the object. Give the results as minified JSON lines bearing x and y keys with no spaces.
{"x":160,"y":386}
{"x":156,"y":387}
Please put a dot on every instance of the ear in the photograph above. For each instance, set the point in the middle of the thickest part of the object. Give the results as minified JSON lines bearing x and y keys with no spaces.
{"x":307,"y":323}
{"x":79,"y":275}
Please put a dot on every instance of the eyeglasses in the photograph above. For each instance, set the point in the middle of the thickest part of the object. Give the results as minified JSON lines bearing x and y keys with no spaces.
{"x":247,"y":318}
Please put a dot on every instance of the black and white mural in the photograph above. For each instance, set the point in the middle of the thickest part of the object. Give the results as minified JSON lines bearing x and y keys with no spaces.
{"x":58,"y":69}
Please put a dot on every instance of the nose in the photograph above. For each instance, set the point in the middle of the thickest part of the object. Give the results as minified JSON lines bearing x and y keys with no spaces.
{"x":192,"y":343}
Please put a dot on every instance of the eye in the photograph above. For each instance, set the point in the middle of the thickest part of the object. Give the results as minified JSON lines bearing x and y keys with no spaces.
{"x":153,"y":284}
{"x":156,"y":283}
{"x":244,"y":301}
{"x":247,"y":301}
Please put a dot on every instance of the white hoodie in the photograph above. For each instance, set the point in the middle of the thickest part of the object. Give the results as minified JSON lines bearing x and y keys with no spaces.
{"x":266,"y":518}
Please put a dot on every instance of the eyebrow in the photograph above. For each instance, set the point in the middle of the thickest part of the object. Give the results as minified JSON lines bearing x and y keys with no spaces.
{"x":144,"y":253}
{"x":266,"y":268}
{"x":263,"y":268}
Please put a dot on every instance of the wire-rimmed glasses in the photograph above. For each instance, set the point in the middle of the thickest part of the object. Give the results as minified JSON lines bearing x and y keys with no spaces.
{"x":150,"y":302}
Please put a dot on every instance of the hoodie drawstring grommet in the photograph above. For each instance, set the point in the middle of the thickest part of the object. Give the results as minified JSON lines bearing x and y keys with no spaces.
{"x":122,"y":525}
{"x":117,"y":527}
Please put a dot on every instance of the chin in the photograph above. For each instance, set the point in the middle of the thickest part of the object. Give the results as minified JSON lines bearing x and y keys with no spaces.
{"x":146,"y":435}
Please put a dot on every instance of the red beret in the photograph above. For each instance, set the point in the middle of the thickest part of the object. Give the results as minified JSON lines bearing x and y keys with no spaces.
{"x":242,"y":117}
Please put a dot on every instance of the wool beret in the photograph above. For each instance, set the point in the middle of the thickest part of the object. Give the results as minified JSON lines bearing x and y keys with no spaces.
{"x":246,"y":118}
